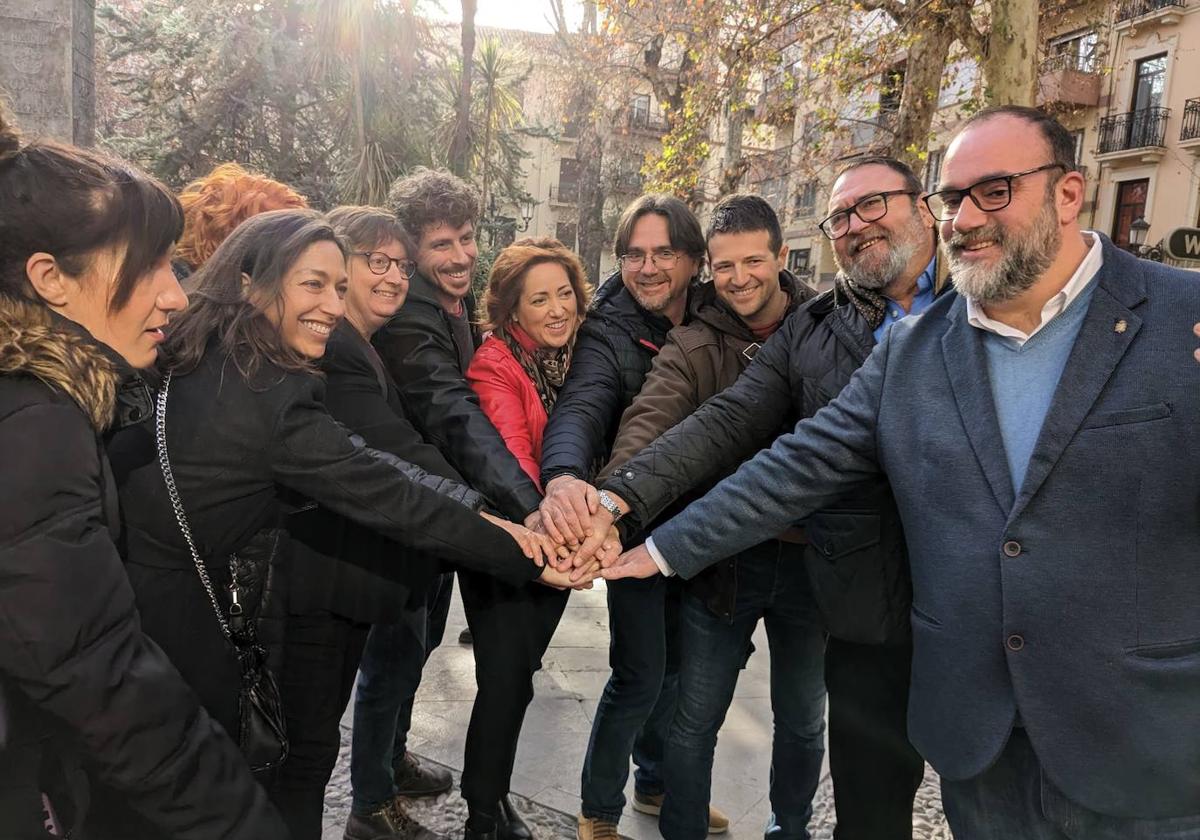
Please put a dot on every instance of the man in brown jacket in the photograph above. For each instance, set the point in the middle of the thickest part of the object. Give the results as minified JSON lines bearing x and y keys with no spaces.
{"x":750,"y":296}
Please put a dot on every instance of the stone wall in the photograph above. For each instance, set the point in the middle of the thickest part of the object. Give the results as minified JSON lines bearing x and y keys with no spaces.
{"x":47,"y":66}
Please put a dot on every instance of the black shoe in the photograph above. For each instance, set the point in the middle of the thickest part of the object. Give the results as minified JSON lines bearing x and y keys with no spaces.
{"x":465,"y":637}
{"x":415,"y":780}
{"x":468,"y":834}
{"x":388,"y":823}
{"x":509,"y":825}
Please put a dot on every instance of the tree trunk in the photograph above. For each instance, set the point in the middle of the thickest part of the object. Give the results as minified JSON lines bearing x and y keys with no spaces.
{"x":485,"y":165}
{"x":918,"y":102}
{"x":460,"y":145}
{"x":734,"y":164}
{"x":590,"y":153}
{"x":1010,"y":66}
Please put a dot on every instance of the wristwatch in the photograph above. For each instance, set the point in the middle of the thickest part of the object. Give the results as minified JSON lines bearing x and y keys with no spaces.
{"x":609,"y":504}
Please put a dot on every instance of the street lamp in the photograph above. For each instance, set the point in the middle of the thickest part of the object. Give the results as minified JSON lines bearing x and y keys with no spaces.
{"x":1138,"y":230}
{"x":496,"y":224}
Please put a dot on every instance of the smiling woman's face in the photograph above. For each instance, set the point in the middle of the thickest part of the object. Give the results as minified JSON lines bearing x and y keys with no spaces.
{"x":310,"y":304}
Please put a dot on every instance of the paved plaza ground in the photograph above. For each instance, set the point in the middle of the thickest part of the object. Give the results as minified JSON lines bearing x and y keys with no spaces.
{"x":546,"y":779}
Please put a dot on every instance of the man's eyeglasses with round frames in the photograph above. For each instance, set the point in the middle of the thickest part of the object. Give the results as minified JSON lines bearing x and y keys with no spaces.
{"x":379,"y":263}
{"x":660,"y":259}
{"x":989,"y":195}
{"x":869,"y":209}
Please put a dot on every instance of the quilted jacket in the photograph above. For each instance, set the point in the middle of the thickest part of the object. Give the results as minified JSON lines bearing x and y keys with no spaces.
{"x":613,"y":353}
{"x":856,"y":555}
{"x":699,"y":360}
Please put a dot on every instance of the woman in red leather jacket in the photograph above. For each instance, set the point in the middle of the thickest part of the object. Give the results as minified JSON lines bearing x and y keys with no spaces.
{"x":535,"y":301}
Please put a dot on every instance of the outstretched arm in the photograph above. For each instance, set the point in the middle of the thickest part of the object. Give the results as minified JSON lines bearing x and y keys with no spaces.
{"x":803,"y":471}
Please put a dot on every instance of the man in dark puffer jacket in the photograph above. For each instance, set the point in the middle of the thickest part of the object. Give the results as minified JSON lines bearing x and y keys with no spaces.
{"x":660,"y":247}
{"x":749,"y":299}
{"x":856,"y":559}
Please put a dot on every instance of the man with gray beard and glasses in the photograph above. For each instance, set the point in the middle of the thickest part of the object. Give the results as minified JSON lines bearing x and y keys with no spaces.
{"x":1040,"y":432}
{"x":854,"y":552}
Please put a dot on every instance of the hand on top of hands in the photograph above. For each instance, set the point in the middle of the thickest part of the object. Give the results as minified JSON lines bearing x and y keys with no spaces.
{"x":568,"y":508}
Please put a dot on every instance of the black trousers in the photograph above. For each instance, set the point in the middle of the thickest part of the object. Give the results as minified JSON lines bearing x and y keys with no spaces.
{"x":511,"y":627}
{"x":875,"y":770}
{"x":320,"y":659}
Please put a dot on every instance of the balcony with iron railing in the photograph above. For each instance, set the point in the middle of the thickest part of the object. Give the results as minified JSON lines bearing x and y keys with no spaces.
{"x":564,"y":192}
{"x":1148,"y":11}
{"x":647,"y":121}
{"x":1069,"y":79}
{"x":1134,"y":136}
{"x":1189,"y":132}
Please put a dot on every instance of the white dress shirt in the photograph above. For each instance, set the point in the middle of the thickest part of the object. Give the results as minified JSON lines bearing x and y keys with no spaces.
{"x":1054,"y":307}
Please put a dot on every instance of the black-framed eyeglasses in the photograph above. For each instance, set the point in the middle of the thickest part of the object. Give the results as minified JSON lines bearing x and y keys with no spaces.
{"x":869,"y":209}
{"x":379,"y":263}
{"x":664,"y":258}
{"x":989,"y":195}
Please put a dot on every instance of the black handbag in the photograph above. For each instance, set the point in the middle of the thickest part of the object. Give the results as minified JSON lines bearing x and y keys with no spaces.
{"x":262,"y":731}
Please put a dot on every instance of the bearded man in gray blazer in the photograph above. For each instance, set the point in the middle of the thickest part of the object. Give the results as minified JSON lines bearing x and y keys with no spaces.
{"x":1041,"y":432}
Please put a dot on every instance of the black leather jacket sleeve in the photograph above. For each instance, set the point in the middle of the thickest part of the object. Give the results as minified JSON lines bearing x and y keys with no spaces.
{"x":311,"y":454}
{"x":586,"y":412}
{"x":73,"y":645}
{"x":424,"y":363}
{"x":447,"y":487}
{"x":726,"y":430}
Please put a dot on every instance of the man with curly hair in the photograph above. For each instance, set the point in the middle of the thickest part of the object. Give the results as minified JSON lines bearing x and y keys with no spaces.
{"x":427,"y":348}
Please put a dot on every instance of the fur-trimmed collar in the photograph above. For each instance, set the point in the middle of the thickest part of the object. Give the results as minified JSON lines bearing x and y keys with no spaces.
{"x":36,"y":342}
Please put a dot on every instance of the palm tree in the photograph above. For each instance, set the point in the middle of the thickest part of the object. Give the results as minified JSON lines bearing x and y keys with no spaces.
{"x":357,"y":44}
{"x":462,"y":140}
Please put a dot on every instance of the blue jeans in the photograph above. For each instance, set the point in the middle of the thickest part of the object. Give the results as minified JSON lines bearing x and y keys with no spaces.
{"x":772,"y":585}
{"x":388,"y":678}
{"x":1013,"y":798}
{"x":635,"y":710}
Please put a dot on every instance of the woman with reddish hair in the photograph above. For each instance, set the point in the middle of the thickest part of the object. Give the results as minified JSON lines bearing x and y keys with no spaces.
{"x":535,"y":300}
{"x":220,"y":201}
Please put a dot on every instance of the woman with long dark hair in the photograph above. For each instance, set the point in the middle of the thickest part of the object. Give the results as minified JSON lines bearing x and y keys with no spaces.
{"x":248,"y":439}
{"x":90,"y":708}
{"x":332,"y":605}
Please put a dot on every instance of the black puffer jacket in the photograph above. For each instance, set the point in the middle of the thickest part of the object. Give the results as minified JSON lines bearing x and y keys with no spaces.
{"x":239,"y":450}
{"x":365,"y":399}
{"x":856,"y":558}
{"x":85,"y":698}
{"x":613,"y":353}
{"x":417,"y":347}
{"x":699,"y":360}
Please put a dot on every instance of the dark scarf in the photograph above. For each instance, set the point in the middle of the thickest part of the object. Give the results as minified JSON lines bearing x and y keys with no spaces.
{"x":870,"y":303}
{"x":545,"y":367}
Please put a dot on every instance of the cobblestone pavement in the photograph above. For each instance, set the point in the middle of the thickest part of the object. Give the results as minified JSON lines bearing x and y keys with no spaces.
{"x":546,"y":778}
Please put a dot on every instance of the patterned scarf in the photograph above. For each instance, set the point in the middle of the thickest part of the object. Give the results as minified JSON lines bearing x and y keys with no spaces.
{"x":870,"y":303}
{"x":546,"y":367}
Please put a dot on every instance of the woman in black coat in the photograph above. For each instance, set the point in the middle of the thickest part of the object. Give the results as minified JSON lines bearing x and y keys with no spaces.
{"x":333,"y":604}
{"x":249,"y":439}
{"x":89,"y":707}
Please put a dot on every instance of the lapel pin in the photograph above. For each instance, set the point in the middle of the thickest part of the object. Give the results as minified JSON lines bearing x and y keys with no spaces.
{"x":1120,"y":326}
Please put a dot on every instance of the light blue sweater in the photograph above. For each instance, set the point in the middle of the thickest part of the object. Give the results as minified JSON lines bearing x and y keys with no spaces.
{"x":1025,"y":377}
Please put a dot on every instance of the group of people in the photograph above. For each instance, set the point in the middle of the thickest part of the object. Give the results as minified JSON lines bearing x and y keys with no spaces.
{"x":247,"y":444}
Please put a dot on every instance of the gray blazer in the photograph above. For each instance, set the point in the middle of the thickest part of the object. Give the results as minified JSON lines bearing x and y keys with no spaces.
{"x":1077,"y":603}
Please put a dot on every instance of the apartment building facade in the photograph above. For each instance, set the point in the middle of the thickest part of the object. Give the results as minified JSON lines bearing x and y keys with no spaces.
{"x":1123,"y":76}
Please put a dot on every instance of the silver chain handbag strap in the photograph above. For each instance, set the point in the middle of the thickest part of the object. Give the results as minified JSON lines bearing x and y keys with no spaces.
{"x":160,"y":439}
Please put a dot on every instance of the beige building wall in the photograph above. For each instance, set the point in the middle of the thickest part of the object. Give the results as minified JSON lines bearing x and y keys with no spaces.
{"x":1087,"y":81}
{"x":1148,"y":161}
